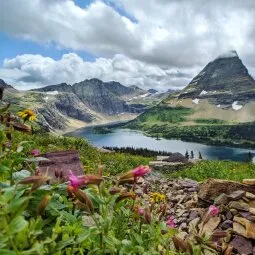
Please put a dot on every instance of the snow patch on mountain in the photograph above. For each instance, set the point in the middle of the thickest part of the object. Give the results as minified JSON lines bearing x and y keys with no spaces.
{"x":236,"y":107}
{"x":203,"y":93}
{"x":195,"y":101}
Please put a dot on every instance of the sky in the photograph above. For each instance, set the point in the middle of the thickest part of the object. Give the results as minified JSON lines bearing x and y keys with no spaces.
{"x":158,"y":44}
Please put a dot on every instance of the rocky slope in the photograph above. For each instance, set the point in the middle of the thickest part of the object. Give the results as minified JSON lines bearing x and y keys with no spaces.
{"x":231,"y":228}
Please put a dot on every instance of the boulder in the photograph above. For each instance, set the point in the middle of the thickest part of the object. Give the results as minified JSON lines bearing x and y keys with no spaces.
{"x":242,"y":245}
{"x":59,"y":163}
{"x":212,"y":188}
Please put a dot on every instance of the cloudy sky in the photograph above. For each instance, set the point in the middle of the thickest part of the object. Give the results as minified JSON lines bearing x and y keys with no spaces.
{"x":150,"y":43}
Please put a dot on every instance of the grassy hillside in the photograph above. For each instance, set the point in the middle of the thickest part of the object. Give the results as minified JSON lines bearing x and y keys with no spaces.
{"x":228,"y":170}
{"x":182,"y":122}
{"x":90,"y":156}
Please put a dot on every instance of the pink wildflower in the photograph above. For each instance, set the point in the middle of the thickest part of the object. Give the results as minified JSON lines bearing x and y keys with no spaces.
{"x":141,"y":171}
{"x":35,"y":152}
{"x":213,"y":210}
{"x":75,"y":181}
{"x":170,"y":222}
{"x":141,"y":211}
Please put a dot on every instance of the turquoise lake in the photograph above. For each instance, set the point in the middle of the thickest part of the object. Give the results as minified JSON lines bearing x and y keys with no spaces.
{"x":132,"y":138}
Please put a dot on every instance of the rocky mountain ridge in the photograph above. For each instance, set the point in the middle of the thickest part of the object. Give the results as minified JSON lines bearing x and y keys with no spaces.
{"x":85,"y":103}
{"x":222,"y":82}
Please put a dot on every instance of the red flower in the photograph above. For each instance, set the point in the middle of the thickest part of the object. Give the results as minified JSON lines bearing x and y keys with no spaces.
{"x":141,"y":171}
{"x":75,"y":181}
{"x":213,"y":210}
{"x":35,"y":152}
{"x":170,"y":222}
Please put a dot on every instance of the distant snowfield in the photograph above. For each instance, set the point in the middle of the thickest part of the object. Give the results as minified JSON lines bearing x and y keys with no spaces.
{"x":236,"y":107}
{"x":195,"y":101}
{"x":52,"y":92}
{"x":140,"y":96}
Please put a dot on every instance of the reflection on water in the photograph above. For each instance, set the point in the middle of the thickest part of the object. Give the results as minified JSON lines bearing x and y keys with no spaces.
{"x":132,"y":138}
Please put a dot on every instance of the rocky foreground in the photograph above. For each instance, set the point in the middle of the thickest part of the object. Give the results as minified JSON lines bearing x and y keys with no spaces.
{"x":189,"y":200}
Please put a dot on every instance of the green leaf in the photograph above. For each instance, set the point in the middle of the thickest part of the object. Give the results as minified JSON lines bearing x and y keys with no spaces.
{"x":17,"y":225}
{"x":7,"y":252}
{"x":15,"y":204}
{"x":1,"y":136}
{"x":17,"y":176}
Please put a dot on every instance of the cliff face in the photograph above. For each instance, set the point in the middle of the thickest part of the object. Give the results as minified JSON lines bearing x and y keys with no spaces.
{"x":102,"y":97}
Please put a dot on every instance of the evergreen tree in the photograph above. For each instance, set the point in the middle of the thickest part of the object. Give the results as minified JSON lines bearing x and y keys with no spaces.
{"x":192,"y":154}
{"x":249,"y":158}
{"x":200,"y":155}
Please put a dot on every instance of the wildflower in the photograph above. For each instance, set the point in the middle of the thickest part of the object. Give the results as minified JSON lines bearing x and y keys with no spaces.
{"x":140,"y":171}
{"x":114,"y":190}
{"x":36,"y":180}
{"x":170,"y":222}
{"x":84,"y":199}
{"x":213,"y":210}
{"x":43,"y":204}
{"x":157,"y":197}
{"x":92,"y":179}
{"x":27,"y":114}
{"x":147,"y":215}
{"x":75,"y":181}
{"x":141,"y":211}
{"x":125,"y":195}
{"x":137,"y":172}
{"x":21,"y":127}
{"x":35,"y":152}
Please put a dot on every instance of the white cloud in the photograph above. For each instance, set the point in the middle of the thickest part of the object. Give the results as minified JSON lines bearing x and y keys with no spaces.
{"x":166,"y":36}
{"x":36,"y":70}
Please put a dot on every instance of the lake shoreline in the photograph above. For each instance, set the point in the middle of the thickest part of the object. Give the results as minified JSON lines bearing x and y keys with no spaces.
{"x":124,"y":137}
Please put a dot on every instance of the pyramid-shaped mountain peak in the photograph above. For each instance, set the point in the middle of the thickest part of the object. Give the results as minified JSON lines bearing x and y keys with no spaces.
{"x":222,"y":81}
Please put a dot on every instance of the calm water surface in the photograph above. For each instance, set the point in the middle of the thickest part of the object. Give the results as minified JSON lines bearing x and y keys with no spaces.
{"x":132,"y":138}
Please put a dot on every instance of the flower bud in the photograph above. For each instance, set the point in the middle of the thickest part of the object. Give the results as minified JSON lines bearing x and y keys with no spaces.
{"x":147,"y":215}
{"x":83,"y":198}
{"x":41,"y":207}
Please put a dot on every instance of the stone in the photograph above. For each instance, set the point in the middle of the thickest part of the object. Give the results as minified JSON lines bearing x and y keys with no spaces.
{"x":211,"y":225}
{"x":222,"y":199}
{"x":250,"y":229}
{"x":212,"y":188}
{"x":239,"y":229}
{"x":246,"y":215}
{"x":237,"y":195}
{"x":183,"y":225}
{"x":193,"y":224}
{"x":252,"y":210}
{"x":229,"y":215}
{"x":227,"y":224}
{"x":239,"y":206}
{"x":240,"y":220}
{"x":193,"y":215}
{"x":60,"y":162}
{"x":250,"y":195}
{"x":249,"y":181}
{"x":242,"y":245}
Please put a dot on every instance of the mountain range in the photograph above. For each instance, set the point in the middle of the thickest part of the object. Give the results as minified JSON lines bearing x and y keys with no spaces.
{"x":93,"y":101}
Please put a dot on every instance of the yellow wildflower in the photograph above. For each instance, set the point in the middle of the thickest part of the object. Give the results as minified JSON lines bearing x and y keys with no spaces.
{"x":157,"y":197}
{"x":27,"y":114}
